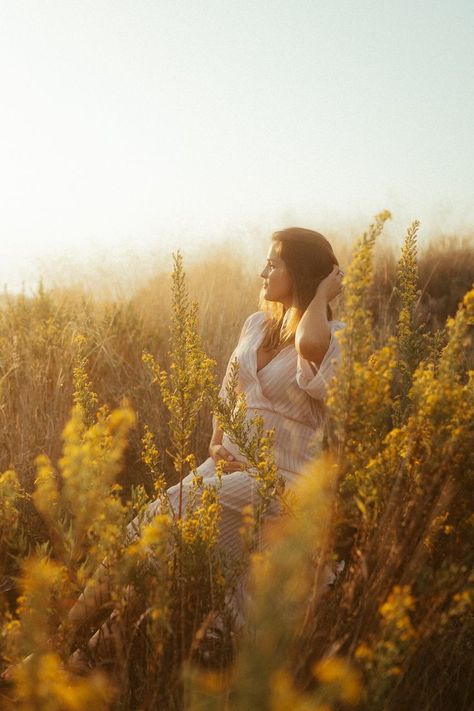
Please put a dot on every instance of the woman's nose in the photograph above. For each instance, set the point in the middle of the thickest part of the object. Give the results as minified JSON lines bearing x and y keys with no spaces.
{"x":263,"y":273}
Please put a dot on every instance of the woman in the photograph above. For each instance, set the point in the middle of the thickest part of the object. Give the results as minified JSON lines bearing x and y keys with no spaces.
{"x":287,"y":354}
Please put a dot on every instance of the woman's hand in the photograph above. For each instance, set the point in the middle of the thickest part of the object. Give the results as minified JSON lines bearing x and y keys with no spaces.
{"x":331,"y":286}
{"x":219,"y":453}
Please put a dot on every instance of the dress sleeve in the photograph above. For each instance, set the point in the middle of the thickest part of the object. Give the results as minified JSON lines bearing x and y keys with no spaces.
{"x":315,"y":380}
{"x":253,"y":321}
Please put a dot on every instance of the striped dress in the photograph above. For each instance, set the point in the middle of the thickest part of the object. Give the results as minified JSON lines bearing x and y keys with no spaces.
{"x":288,"y":393}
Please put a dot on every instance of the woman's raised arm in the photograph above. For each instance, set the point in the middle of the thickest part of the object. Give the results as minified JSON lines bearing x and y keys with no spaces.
{"x":313,"y":333}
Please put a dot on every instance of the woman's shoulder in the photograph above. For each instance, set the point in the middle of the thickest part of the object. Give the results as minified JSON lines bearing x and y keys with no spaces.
{"x":255,"y":320}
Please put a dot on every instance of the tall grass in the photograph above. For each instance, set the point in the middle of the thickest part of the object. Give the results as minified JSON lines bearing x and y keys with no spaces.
{"x":384,"y":516}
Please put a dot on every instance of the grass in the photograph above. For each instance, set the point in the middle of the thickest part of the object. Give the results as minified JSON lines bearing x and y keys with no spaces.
{"x":392,"y":499}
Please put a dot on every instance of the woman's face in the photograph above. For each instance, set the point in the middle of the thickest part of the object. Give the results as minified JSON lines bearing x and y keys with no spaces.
{"x":277,"y":283}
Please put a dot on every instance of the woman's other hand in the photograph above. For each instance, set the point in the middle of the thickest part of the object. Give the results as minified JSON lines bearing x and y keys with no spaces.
{"x":331,"y":286}
{"x":219,"y":453}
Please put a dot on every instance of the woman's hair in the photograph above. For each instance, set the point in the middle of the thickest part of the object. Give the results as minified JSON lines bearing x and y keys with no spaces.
{"x":309,"y":258}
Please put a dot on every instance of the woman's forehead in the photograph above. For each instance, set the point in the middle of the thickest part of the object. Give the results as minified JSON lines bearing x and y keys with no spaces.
{"x":273,"y":252}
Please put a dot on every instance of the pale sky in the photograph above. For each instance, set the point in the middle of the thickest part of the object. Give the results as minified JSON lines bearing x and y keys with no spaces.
{"x":133,"y":125}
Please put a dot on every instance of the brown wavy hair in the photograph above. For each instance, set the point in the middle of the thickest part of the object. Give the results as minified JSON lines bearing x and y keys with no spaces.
{"x":309,"y":258}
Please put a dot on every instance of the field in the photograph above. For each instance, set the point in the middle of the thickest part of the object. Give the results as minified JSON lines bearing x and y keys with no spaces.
{"x":103,"y":404}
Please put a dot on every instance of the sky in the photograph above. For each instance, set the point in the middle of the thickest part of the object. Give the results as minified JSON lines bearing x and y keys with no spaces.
{"x":135,"y":127}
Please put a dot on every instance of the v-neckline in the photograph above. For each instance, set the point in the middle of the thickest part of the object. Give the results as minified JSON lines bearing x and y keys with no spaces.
{"x":259,"y":370}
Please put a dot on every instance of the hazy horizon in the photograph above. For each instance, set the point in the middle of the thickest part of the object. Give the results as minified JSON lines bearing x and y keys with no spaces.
{"x":131,"y":129}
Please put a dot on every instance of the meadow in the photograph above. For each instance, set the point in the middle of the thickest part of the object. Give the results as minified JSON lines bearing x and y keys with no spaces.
{"x":103,"y":404}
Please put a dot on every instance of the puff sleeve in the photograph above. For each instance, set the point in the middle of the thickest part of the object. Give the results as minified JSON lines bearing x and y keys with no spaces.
{"x":315,"y":380}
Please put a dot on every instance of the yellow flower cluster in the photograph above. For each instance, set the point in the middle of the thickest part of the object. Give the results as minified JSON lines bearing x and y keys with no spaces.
{"x":42,"y":605}
{"x":44,"y":685}
{"x":200,"y":524}
{"x":84,"y":397}
{"x":410,"y":343}
{"x":341,"y":677}
{"x":79,"y":503}
{"x":396,"y":612}
{"x":151,"y":458}
{"x":190,"y":382}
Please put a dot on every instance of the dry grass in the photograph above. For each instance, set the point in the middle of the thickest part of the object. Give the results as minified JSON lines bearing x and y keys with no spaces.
{"x":404,"y":596}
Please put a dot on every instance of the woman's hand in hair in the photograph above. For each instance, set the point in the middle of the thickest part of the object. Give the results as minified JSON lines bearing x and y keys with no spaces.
{"x":313,"y":334}
{"x":219,"y":453}
{"x":331,"y":286}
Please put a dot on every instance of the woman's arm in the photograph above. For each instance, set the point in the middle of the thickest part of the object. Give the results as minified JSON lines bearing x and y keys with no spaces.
{"x":217,"y":434}
{"x":313,"y":333}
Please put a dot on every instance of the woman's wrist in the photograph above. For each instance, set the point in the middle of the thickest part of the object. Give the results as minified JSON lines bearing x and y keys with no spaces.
{"x":216,"y":437}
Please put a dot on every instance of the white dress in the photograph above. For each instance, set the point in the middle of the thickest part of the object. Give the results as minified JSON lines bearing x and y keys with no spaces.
{"x":288,"y":393}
